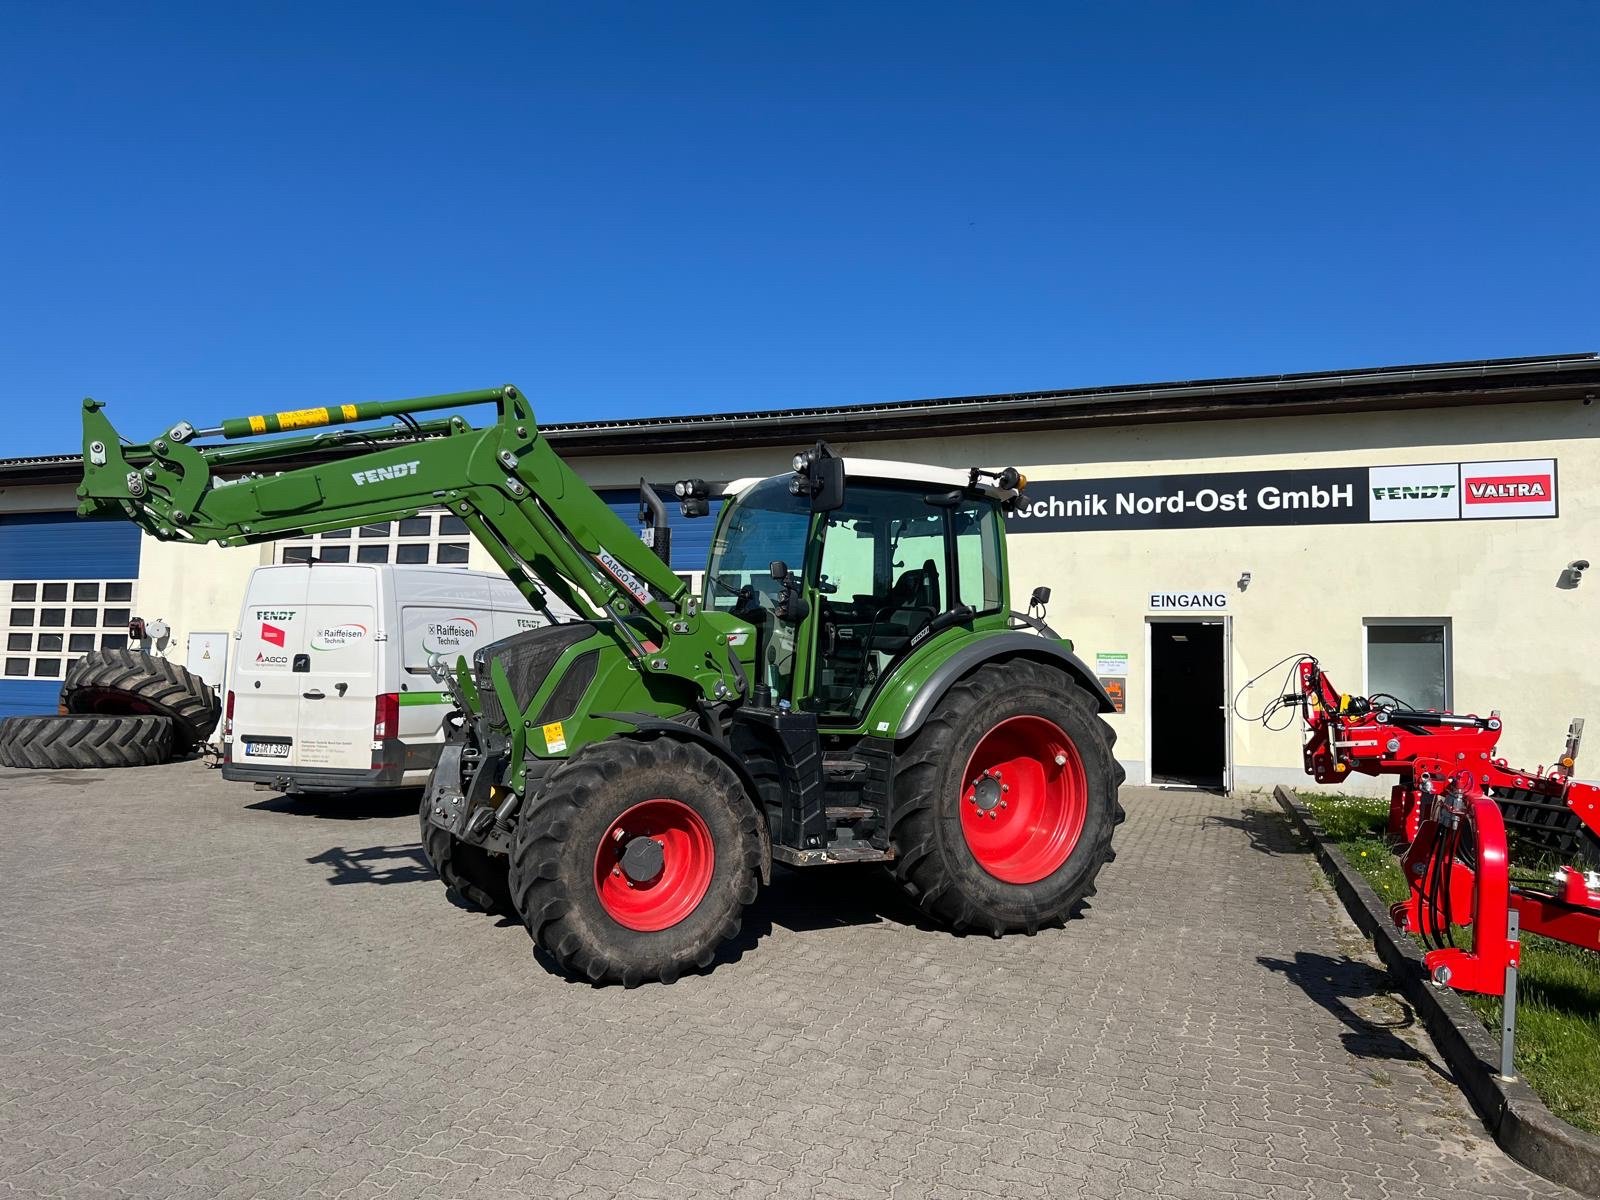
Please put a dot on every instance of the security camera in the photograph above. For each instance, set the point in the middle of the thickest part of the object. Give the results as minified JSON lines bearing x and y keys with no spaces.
{"x":1580,"y":565}
{"x":1572,"y":576}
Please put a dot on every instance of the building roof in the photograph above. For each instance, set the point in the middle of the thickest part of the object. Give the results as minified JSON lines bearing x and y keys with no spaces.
{"x":1424,"y":385}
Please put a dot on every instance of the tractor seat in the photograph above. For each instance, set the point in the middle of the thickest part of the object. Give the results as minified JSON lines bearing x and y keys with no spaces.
{"x":912,"y":603}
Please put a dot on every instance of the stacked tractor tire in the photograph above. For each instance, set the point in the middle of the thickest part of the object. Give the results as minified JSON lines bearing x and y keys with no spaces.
{"x":119,"y":708}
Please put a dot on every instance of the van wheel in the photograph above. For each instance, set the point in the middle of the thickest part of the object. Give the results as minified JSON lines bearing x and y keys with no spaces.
{"x":471,"y":872}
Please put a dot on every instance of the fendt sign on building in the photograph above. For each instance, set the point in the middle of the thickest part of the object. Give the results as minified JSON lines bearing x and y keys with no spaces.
{"x":1322,"y":496}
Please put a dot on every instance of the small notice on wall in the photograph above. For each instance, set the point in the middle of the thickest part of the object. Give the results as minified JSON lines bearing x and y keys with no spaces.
{"x":1111,"y":663}
{"x":1117,"y":688}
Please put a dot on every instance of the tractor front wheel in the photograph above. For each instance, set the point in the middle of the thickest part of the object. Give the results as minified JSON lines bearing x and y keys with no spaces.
{"x":636,"y":860}
{"x":471,"y":872}
{"x":1005,"y":801}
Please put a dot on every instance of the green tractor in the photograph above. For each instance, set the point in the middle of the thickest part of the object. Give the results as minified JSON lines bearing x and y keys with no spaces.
{"x":852,"y":686}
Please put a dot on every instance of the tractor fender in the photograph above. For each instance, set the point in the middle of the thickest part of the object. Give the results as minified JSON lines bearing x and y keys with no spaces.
{"x":1011,"y":644}
{"x":646,"y":724}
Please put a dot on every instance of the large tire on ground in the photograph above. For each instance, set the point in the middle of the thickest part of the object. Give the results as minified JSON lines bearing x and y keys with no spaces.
{"x":1005,"y":801}
{"x":636,"y":860}
{"x":80,"y":742}
{"x":129,"y":682}
{"x":474,"y":874}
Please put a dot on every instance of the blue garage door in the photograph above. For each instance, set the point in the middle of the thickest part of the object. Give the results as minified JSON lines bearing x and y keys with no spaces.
{"x":691,"y":538}
{"x":66,"y":587}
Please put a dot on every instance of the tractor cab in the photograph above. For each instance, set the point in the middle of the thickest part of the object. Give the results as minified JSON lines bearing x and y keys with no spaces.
{"x":840,"y":594}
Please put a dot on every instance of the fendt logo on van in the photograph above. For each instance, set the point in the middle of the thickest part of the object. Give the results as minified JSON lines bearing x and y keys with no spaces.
{"x":1509,"y":489}
{"x":275,"y":614}
{"x":379,"y":474}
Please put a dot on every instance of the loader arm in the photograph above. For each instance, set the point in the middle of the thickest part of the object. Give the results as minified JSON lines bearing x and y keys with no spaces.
{"x":540,"y":522}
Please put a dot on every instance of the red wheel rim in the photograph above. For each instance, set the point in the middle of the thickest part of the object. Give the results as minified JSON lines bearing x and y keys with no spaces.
{"x":686,"y":860}
{"x":1024,"y":797}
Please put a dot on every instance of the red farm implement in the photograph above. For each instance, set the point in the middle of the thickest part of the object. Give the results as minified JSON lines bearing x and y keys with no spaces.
{"x":1488,"y":848}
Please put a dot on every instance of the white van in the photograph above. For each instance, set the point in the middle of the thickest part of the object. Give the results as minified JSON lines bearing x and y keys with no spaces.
{"x":329,"y":689}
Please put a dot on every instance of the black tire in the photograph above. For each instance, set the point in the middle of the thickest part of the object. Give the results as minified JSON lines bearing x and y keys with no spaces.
{"x":81,"y":742}
{"x":471,"y":872}
{"x":933,"y":860}
{"x":130,"y":682}
{"x":553,"y":859}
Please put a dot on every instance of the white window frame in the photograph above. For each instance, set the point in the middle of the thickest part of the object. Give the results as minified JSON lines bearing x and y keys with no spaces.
{"x":65,"y":656}
{"x":391,"y":541}
{"x":1449,"y":652}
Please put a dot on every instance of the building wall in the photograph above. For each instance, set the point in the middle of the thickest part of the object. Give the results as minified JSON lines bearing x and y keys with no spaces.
{"x":1520,"y":643}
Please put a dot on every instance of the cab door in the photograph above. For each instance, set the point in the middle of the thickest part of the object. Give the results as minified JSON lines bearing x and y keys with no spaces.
{"x":336,"y":671}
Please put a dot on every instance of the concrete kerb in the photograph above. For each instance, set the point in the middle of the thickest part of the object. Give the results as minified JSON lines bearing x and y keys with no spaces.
{"x":1522,"y":1126}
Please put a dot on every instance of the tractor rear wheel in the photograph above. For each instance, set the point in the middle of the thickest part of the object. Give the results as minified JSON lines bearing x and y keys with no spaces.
{"x":84,"y":741}
{"x":130,"y":682}
{"x":1005,"y":801}
{"x":470,"y":871}
{"x":636,"y":860}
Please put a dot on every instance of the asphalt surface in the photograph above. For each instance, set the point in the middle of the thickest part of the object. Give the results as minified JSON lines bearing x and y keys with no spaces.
{"x":208,"y":992}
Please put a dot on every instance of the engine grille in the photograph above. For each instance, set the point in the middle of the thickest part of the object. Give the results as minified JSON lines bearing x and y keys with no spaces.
{"x":527,"y":659}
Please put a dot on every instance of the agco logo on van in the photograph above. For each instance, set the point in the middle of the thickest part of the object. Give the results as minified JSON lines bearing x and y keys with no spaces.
{"x":1509,"y":489}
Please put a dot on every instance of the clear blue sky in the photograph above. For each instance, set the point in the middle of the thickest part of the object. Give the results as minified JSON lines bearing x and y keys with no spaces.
{"x":667,"y":208}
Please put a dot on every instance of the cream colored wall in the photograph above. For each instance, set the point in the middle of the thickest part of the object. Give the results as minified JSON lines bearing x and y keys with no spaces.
{"x":194,"y":589}
{"x":1520,"y":643}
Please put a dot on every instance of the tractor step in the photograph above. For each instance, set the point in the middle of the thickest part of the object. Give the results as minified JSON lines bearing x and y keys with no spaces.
{"x":849,"y":812}
{"x":829,"y":855}
{"x":844,"y":768}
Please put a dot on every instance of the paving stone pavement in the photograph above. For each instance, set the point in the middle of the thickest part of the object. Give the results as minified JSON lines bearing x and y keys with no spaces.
{"x":208,"y":992}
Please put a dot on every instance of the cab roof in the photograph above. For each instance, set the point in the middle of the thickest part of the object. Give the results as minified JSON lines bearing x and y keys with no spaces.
{"x":894,"y":471}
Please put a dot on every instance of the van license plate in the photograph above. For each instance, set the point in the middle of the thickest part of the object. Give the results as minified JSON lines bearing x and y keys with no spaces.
{"x":267,"y":749}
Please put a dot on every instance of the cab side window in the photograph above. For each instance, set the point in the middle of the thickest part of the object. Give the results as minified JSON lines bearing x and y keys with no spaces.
{"x":894,"y":559}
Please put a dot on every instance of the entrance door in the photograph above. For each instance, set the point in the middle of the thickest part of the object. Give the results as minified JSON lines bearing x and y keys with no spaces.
{"x":1188,"y":703}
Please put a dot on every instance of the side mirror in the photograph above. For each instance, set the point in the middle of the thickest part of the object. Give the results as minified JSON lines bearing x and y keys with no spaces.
{"x":819,"y":473}
{"x":1040,"y":597}
{"x":779,"y":569}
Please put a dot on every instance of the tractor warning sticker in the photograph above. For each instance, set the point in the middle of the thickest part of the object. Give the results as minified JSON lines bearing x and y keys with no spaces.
{"x":555,"y":738}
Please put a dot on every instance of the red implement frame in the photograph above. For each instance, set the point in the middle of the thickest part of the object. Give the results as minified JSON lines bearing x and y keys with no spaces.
{"x":1449,"y":808}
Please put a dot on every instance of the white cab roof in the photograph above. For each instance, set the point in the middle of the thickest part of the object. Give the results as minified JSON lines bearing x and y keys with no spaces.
{"x":889,"y":469}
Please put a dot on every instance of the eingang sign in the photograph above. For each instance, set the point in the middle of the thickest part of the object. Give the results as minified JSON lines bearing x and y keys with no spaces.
{"x":1320,"y":496}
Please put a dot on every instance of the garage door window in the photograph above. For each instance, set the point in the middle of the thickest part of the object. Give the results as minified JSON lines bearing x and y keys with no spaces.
{"x":1408,"y":660}
{"x":436,"y":537}
{"x":49,"y":623}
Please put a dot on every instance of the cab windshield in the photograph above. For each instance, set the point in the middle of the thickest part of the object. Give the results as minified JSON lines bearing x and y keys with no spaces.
{"x":766,"y":525}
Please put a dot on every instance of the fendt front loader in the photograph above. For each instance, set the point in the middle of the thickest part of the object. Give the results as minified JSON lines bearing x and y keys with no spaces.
{"x":853,"y":686}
